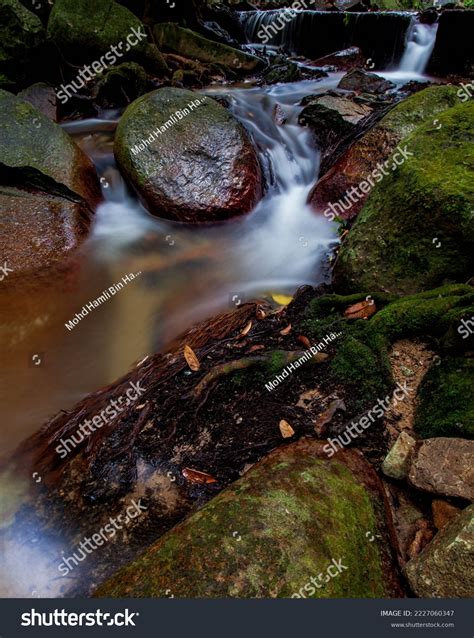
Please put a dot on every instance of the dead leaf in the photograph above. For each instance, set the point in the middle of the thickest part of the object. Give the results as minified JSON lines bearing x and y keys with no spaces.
{"x":307,"y":397}
{"x":247,"y":329}
{"x":195,"y":476}
{"x":191,"y":359}
{"x":286,"y":430}
{"x":304,"y":340}
{"x":362,"y":310}
{"x":286,"y":331}
{"x":325,"y":417}
{"x":260,"y":313}
{"x":256,"y":347}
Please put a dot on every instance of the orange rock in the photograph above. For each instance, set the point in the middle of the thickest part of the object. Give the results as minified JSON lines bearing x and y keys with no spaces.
{"x":443,"y":512}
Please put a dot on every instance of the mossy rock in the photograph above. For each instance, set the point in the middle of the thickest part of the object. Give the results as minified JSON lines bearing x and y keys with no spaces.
{"x":416,"y":229}
{"x":289,"y":518}
{"x":22,"y":36}
{"x":171,"y":37}
{"x":188,"y":157}
{"x":362,"y":157}
{"x":122,"y":84}
{"x":446,"y":401}
{"x":85,"y":30}
{"x":361,"y":363}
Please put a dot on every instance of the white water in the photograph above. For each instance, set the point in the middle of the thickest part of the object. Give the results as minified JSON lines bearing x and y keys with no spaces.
{"x":421,"y":39}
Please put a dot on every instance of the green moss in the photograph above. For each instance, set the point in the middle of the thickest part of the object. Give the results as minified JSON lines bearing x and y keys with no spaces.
{"x":268,"y":534}
{"x":446,"y":400}
{"x":416,"y":228}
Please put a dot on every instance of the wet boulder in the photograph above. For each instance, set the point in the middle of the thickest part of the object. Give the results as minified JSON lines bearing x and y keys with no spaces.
{"x":175,"y":39}
{"x":445,"y":568}
{"x":102,"y":32}
{"x":49,"y":188}
{"x":121,"y":85}
{"x":22,"y":39}
{"x":416,"y":229}
{"x":188,"y":157}
{"x":297,"y":525}
{"x":364,"y":82}
{"x":342,"y":60}
{"x":375,"y":146}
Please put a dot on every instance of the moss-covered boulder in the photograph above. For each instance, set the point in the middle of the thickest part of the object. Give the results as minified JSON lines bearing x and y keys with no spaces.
{"x":121,"y":85}
{"x":376,"y":146}
{"x":102,"y":31}
{"x":50,"y":188}
{"x":171,"y":37}
{"x":448,"y":384}
{"x":22,"y":36}
{"x":188,"y":157}
{"x":416,"y":229}
{"x":278,"y":532}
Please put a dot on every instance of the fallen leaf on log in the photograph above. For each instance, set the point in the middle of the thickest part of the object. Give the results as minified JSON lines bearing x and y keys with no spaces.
{"x":191,"y":359}
{"x":286,"y":430}
{"x":325,"y":418}
{"x":195,"y":476}
{"x":286,"y":331}
{"x":283,"y":300}
{"x":362,"y":310}
{"x":304,"y":340}
{"x":247,"y":329}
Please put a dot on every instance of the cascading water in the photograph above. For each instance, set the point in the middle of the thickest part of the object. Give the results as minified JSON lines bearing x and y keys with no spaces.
{"x":421,"y":40}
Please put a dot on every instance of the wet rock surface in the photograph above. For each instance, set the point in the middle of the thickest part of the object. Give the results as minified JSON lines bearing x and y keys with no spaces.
{"x":364,"y":82}
{"x":202,"y":168}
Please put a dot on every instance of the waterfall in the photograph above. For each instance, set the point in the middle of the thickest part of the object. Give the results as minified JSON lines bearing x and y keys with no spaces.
{"x":421,"y":39}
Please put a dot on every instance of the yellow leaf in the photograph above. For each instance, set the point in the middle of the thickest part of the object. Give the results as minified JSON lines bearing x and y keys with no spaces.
{"x":191,"y":359}
{"x":246,"y":330}
{"x":283,"y":300}
{"x":286,"y":430}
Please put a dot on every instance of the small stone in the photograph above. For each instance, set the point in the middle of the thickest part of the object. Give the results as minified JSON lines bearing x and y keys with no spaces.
{"x":397,"y":462}
{"x":407,"y":372}
{"x":443,"y":512}
{"x":444,"y":466}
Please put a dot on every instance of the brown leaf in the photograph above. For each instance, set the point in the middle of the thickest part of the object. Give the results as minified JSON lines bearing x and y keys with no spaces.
{"x":191,"y":359}
{"x":325,"y":418}
{"x":286,"y":430}
{"x":195,"y":476}
{"x":247,"y":329}
{"x":260,"y":313}
{"x":362,"y":310}
{"x":304,"y":340}
{"x":256,"y":347}
{"x":286,"y":331}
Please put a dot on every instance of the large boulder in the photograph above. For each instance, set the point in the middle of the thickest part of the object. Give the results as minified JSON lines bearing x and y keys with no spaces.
{"x":444,"y":466}
{"x":375,"y":146}
{"x":88,"y":30}
{"x":416,"y":229}
{"x":22,"y":37}
{"x":171,"y":37}
{"x":274,"y":534}
{"x":50,"y":188}
{"x":200,"y":167}
{"x":445,"y":569}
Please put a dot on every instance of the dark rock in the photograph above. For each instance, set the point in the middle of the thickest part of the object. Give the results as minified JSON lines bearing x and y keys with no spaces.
{"x":282,"y":71}
{"x":342,"y":60}
{"x":454,"y":49}
{"x":202,"y":167}
{"x":121,"y":85}
{"x":364,"y":82}
{"x":41,"y":96}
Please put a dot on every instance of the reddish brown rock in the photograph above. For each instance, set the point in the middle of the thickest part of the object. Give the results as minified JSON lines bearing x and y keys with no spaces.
{"x":443,"y":512}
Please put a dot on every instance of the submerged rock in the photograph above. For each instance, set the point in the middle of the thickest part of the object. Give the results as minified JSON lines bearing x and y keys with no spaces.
{"x":50,"y":188}
{"x":364,"y":82}
{"x":444,"y":466}
{"x":171,"y":37}
{"x":273,"y":532}
{"x":416,"y":229}
{"x":374,"y":147}
{"x":200,"y":167}
{"x":445,"y":569}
